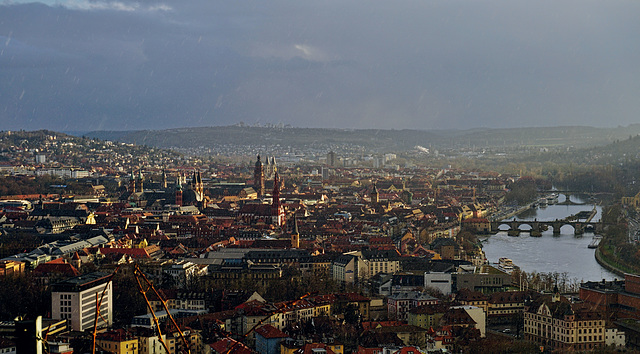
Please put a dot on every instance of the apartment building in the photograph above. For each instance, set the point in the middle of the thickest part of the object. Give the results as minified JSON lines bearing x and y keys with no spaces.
{"x":76,"y":299}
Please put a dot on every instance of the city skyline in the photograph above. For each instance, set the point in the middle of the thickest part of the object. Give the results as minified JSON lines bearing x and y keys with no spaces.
{"x":126,"y":65}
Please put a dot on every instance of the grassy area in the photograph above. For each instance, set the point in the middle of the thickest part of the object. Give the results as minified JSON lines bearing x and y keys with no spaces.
{"x":607,"y":256}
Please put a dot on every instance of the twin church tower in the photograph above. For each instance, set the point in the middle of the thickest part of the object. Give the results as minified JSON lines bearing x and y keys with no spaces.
{"x":261,"y":172}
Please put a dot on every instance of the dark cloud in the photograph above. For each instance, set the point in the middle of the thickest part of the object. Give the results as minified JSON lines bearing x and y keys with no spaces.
{"x":86,"y":65}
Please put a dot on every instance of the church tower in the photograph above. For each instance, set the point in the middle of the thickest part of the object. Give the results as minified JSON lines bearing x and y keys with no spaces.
{"x":274,"y":166}
{"x":140,"y":181}
{"x":258,"y":178}
{"x":164,"y":179}
{"x":178,"y":192}
{"x":132,"y":183}
{"x":196,"y":186}
{"x":375,"y":196}
{"x":277,"y":211}
{"x":295,"y":235}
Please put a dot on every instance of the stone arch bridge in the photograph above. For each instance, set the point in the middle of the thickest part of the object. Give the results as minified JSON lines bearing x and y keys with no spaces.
{"x":579,"y":227}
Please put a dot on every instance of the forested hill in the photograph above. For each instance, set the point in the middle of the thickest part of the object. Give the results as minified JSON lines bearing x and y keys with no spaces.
{"x":380,"y":140}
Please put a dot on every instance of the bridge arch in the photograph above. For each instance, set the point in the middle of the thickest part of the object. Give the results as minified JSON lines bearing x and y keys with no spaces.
{"x":539,"y":226}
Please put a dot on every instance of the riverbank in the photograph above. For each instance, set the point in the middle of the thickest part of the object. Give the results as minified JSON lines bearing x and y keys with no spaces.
{"x":549,"y":253}
{"x":604,"y":263}
{"x":616,"y":252}
{"x":510,"y":212}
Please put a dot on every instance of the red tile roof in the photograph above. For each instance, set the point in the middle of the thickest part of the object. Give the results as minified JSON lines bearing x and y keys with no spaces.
{"x":223,"y":346}
{"x":268,"y":332}
{"x":375,"y":324}
{"x":57,"y":266}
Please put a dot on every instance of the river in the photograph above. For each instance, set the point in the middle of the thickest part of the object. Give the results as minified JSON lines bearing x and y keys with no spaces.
{"x":549,"y":253}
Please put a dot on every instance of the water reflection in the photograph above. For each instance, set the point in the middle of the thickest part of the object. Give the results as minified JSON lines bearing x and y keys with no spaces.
{"x":549,"y":253}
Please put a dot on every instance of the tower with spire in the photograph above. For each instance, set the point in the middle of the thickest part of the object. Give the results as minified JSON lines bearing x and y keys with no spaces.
{"x":277,"y":211}
{"x":164,"y":179}
{"x":140,"y":181}
{"x":271,"y":168}
{"x":375,"y":196}
{"x":178,"y":192}
{"x":197,"y":186}
{"x":258,"y":178}
{"x":132,"y":182}
{"x":295,"y":235}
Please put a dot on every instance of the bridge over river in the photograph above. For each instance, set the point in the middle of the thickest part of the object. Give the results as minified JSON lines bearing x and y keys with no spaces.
{"x":570,"y":255}
{"x":537,"y":227}
{"x":569,"y":193}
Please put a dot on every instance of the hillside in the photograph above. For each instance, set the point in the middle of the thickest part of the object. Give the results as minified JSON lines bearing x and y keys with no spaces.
{"x":376,"y":140}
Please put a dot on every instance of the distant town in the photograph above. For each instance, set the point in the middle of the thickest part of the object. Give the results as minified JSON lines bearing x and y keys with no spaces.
{"x":116,"y":247}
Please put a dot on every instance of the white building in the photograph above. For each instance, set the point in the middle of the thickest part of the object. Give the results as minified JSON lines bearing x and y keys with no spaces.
{"x":478,"y":315}
{"x":614,"y":337}
{"x":76,"y":299}
{"x":182,"y":272}
{"x":438,"y":280}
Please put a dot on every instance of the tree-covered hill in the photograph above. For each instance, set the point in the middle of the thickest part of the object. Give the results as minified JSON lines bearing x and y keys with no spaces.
{"x":380,"y":140}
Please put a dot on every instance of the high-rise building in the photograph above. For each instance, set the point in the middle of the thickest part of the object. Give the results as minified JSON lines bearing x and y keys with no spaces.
{"x":76,"y":299}
{"x":332,"y":159}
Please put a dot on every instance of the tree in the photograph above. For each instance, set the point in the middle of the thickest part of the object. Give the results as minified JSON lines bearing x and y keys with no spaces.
{"x":23,"y":295}
{"x":127,"y":299}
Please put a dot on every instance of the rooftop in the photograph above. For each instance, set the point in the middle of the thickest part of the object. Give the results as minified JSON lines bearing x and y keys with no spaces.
{"x":82,"y":282}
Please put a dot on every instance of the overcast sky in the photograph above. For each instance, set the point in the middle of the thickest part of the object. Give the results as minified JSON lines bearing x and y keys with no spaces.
{"x":119,"y":65}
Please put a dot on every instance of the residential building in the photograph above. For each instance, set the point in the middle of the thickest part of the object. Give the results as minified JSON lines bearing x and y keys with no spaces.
{"x":505,"y":306}
{"x":268,"y":339}
{"x":117,"y":341}
{"x":225,"y":345}
{"x":9,"y":267}
{"x":472,"y":298}
{"x":76,"y":299}
{"x":478,"y":315}
{"x":399,"y":304}
{"x":344,"y":269}
{"x":182,"y":272}
{"x":427,"y":316}
{"x":359,"y":266}
{"x":614,"y":337}
{"x":148,"y":341}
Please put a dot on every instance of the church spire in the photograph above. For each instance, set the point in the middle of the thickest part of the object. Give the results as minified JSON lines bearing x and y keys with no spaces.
{"x":164,"y":179}
{"x":178,"y":192}
{"x":295,"y":235}
{"x":258,"y":178}
{"x":277,"y":211}
{"x":375,"y":196}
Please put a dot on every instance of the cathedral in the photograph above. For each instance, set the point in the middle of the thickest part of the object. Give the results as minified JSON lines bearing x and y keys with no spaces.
{"x":273,"y":214}
{"x":183,"y":193}
{"x":262,"y":172}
